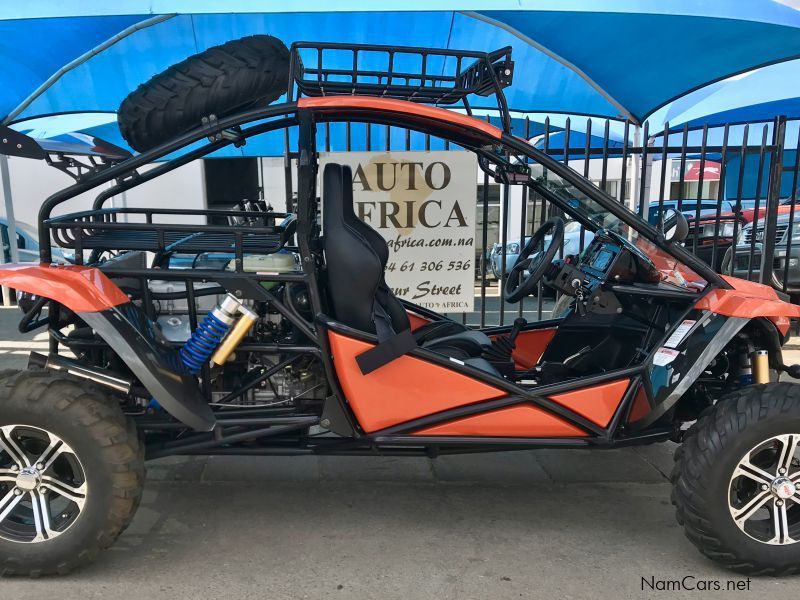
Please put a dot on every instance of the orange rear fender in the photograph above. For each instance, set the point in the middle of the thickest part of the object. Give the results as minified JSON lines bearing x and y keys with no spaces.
{"x":81,"y":289}
{"x":108,"y":311}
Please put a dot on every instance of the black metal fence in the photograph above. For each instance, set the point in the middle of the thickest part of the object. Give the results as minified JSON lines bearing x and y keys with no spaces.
{"x":736,"y":185}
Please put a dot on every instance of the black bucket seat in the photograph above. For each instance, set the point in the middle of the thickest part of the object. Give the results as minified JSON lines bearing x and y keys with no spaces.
{"x":356,"y":257}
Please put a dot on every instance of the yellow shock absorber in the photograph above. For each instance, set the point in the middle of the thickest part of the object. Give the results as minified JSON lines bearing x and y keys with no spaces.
{"x":760,"y":366}
{"x":235,"y":336}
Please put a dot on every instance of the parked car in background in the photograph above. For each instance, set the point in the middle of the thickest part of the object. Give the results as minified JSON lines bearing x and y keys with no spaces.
{"x":27,"y":244}
{"x":786,"y":259}
{"x":711,"y":236}
{"x":714,"y":237}
{"x":687,"y":207}
{"x":572,"y":245}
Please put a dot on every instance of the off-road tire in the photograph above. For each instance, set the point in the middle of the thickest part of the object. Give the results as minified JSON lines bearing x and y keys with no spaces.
{"x":705,"y":462}
{"x":251,"y":71}
{"x":106,"y":443}
{"x":6,"y":373}
{"x":561,"y":305}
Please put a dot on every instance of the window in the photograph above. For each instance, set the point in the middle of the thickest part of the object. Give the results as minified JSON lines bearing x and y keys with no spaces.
{"x":690,"y":189}
{"x":229,"y":181}
{"x":611,"y":186}
{"x":493,"y":217}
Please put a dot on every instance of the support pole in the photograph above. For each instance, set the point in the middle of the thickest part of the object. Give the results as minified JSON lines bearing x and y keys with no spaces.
{"x":636,"y":172}
{"x":12,"y":223}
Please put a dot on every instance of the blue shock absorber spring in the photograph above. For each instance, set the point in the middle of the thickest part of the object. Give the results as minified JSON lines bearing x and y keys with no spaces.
{"x":209,"y":333}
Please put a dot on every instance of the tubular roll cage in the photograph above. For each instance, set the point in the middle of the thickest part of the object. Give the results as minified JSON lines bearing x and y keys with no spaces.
{"x":281,"y":426}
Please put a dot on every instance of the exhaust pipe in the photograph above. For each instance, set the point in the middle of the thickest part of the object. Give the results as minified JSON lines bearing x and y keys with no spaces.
{"x":58,"y":363}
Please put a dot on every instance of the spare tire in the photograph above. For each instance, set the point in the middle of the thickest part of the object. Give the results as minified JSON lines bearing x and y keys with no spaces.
{"x":222,"y":80}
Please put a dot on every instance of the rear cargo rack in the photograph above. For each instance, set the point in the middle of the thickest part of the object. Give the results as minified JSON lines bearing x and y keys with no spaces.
{"x":113,"y":229}
{"x":425,"y":75}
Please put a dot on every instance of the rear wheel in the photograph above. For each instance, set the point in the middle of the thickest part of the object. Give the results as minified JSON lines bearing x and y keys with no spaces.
{"x":736,"y":482}
{"x":71,"y":473}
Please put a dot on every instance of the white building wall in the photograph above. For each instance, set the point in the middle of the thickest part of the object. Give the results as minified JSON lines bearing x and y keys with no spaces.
{"x":272,"y":181}
{"x":33,"y":181}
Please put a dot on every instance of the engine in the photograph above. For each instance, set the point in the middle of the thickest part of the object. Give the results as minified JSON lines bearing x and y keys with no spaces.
{"x":267,"y":378}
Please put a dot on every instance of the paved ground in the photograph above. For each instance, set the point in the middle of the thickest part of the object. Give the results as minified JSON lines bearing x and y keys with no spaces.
{"x":546,"y":524}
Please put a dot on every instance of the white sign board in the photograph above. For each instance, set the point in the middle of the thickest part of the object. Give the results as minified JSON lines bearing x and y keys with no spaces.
{"x":423,"y":203}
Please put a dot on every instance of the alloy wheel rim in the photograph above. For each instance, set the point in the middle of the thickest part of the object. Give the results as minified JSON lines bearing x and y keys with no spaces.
{"x":42,"y":485}
{"x":764,"y":491}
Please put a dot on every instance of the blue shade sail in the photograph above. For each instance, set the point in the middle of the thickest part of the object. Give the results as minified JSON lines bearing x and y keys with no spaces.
{"x":607,"y":58}
{"x":758,"y":95}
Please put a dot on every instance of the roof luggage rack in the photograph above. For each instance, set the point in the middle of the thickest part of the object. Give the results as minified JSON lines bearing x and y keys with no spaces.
{"x":425,"y":75}
{"x":153,"y":230}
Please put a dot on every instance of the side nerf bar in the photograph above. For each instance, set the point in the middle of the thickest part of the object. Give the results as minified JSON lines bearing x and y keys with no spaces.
{"x":105,"y":308}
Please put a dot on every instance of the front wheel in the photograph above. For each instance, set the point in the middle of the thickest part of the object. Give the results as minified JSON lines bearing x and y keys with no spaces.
{"x":736,"y":481}
{"x":71,"y":473}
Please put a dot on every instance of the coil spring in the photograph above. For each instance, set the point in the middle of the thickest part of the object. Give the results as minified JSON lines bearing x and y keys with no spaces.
{"x":198,"y":349}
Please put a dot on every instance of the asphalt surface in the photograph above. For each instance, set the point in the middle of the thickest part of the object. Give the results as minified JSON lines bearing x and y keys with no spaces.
{"x":544,"y":524}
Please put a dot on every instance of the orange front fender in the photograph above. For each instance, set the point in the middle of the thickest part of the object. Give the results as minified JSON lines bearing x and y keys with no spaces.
{"x":81,"y":289}
{"x":750,"y":300}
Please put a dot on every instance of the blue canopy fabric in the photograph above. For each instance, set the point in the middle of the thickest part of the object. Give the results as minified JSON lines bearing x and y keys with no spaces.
{"x":608,"y":58}
{"x":105,"y":79}
{"x":642,"y":61}
{"x":758,"y":95}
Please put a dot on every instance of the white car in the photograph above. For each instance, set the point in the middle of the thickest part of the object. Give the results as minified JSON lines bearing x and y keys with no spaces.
{"x":27,"y":244}
{"x":572,"y":245}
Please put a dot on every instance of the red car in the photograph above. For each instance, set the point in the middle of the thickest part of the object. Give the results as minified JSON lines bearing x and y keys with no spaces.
{"x":710,"y":238}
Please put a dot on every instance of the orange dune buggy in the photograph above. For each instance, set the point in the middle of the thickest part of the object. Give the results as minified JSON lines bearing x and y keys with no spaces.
{"x":322,"y":358}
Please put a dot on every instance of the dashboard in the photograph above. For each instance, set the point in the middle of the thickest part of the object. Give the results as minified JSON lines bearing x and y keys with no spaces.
{"x":610,"y":259}
{"x":614,"y":259}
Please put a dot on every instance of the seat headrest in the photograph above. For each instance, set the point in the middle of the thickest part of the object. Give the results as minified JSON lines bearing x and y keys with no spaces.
{"x":337,"y":194}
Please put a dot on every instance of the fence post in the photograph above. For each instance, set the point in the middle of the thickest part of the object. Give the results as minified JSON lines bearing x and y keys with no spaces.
{"x":773,"y":200}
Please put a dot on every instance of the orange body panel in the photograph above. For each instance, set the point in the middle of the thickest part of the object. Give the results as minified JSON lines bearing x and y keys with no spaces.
{"x":342,"y":103}
{"x":405,"y":389}
{"x":748,"y":300}
{"x":416,"y":321}
{"x":672,"y":270}
{"x":515,"y":421}
{"x":531,"y":345}
{"x":81,"y":289}
{"x":597,"y":403}
{"x":641,"y":407}
{"x":782,"y":323}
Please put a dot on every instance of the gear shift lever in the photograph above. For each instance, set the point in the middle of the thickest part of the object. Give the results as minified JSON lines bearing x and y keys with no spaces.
{"x":519,"y":324}
{"x":502,"y":348}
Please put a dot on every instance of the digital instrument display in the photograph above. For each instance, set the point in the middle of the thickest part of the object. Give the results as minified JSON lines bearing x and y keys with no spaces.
{"x":602,"y":259}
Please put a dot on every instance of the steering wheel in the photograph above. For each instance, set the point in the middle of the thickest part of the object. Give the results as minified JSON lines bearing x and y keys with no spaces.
{"x":515,"y":290}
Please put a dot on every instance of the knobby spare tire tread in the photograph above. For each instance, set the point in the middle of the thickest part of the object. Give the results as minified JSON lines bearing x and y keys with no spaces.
{"x":221,"y":80}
